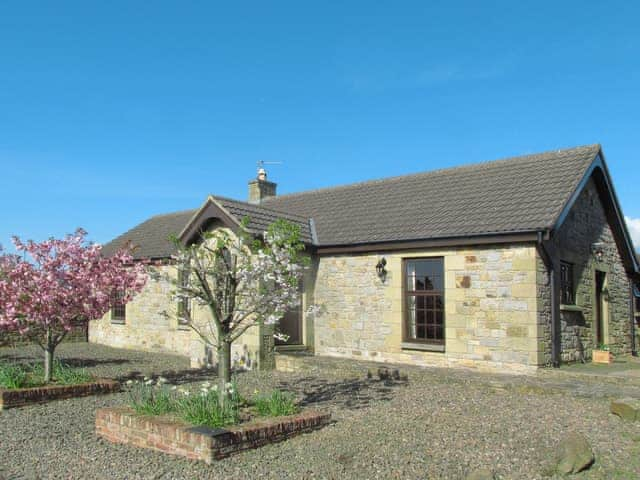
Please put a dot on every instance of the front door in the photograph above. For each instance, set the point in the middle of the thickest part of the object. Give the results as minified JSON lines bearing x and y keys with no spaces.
{"x":601,"y":309}
{"x":291,"y":326}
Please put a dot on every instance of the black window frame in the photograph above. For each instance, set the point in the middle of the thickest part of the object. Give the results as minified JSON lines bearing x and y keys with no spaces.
{"x":567,"y":283}
{"x":437,"y":297}
{"x":119,"y":311}
{"x":184,"y":304}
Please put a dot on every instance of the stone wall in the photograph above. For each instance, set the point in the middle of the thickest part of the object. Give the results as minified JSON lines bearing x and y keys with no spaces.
{"x":152,"y":325}
{"x":491,"y":318}
{"x":585,"y":225}
{"x":543,"y":287}
{"x":14,"y":339}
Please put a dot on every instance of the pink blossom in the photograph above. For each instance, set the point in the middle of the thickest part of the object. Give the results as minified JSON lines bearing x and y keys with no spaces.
{"x":66,"y":282}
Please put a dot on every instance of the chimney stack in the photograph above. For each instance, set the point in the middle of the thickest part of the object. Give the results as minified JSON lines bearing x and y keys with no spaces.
{"x":260,"y":188}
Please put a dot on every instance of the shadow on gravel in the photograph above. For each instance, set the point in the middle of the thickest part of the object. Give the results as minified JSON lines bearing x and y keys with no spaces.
{"x":351,"y":394}
{"x":174,"y":377}
{"x":17,"y":358}
{"x":70,"y":362}
{"x":90,"y":362}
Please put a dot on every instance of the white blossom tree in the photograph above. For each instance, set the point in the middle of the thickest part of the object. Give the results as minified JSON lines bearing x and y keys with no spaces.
{"x":241,"y":281}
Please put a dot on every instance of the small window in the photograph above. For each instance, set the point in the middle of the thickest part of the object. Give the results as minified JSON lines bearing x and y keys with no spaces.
{"x":184,"y":304}
{"x":567,"y":289}
{"x":119,"y":309}
{"x":424,"y":300}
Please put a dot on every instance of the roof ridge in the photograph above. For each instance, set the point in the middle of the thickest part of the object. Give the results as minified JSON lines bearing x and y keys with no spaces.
{"x":480,"y":164}
{"x":260,"y":206}
{"x":168,"y":214}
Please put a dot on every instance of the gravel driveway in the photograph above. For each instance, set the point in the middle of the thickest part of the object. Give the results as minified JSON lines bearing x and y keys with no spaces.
{"x":439,"y":424}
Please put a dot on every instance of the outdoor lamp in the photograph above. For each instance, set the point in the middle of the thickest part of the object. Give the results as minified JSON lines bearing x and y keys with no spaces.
{"x":597,"y":249}
{"x":380,"y":268}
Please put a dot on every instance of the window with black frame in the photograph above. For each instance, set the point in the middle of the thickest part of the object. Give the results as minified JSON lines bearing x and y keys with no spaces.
{"x":119,"y":309}
{"x":424,"y":300}
{"x":184,"y":304}
{"x":567,"y":288}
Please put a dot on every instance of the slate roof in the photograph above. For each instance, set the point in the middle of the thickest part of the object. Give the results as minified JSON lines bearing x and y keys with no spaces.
{"x":151,"y":237}
{"x":260,"y":216}
{"x":513,"y":195}
{"x":520,"y":194}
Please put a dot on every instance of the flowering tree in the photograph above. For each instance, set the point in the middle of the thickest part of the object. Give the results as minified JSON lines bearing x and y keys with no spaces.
{"x":66,"y":282}
{"x":242,"y":283}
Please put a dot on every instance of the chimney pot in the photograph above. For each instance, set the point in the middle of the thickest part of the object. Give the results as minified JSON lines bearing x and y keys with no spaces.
{"x":260,"y":188}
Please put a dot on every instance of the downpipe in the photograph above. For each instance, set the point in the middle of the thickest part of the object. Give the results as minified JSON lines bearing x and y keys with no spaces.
{"x":549,"y":264}
{"x":634,"y":343}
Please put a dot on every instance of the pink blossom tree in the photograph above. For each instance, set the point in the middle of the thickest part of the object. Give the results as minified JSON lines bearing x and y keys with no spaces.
{"x":64,"y":283}
{"x":242,"y":283}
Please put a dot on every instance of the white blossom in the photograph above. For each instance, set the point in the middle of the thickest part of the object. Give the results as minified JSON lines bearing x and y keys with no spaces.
{"x":264,"y":284}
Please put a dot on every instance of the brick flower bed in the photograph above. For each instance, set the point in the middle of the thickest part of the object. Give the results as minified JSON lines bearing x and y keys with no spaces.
{"x":20,"y":397}
{"x":168,"y":435}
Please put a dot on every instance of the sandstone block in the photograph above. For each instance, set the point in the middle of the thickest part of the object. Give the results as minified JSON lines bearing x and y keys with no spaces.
{"x":626,"y":408}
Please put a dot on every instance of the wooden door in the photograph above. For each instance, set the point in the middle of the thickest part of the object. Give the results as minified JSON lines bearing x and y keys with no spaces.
{"x":291,"y":325}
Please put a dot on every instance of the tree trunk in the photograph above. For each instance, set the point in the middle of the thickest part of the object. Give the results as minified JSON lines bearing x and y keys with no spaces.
{"x":49,"y":348}
{"x":224,"y":369}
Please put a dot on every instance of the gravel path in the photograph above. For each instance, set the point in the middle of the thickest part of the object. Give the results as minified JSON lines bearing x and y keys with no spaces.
{"x":439,"y":424}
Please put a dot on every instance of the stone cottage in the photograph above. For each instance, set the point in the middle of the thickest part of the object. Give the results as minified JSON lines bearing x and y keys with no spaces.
{"x":507,"y":265}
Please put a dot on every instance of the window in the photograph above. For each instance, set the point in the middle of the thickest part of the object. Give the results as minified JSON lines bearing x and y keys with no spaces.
{"x":567,"y":292}
{"x":119,"y":309}
{"x":424,"y":300}
{"x":184,"y":304}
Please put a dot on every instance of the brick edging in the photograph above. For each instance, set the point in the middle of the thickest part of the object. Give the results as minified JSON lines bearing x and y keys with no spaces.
{"x":20,"y":397}
{"x":175,"y":437}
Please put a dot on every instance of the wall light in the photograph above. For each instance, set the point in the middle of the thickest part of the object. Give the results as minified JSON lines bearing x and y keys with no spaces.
{"x":597,"y":249}
{"x":380,"y":268}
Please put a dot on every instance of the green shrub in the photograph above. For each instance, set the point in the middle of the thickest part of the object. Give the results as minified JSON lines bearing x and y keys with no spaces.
{"x":151,"y":400}
{"x":13,"y":376}
{"x":23,"y":376}
{"x":66,"y":375}
{"x":276,"y":404}
{"x":205,"y":409}
{"x":62,"y":374}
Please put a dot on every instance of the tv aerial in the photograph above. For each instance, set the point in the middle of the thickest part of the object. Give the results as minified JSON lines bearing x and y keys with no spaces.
{"x":262,"y":163}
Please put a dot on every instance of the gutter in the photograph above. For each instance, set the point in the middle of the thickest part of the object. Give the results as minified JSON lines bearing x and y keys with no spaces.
{"x":555,"y":306}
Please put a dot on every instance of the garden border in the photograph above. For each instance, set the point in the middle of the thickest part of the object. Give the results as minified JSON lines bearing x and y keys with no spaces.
{"x":21,"y":397}
{"x":175,"y":437}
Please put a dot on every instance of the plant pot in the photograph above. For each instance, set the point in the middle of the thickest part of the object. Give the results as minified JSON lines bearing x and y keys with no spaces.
{"x":602,"y":356}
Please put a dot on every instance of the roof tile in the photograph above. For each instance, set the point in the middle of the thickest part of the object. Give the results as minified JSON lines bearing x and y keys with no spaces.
{"x":519,"y":194}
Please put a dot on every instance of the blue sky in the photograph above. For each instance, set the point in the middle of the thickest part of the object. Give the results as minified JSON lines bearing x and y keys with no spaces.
{"x":111,"y":112}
